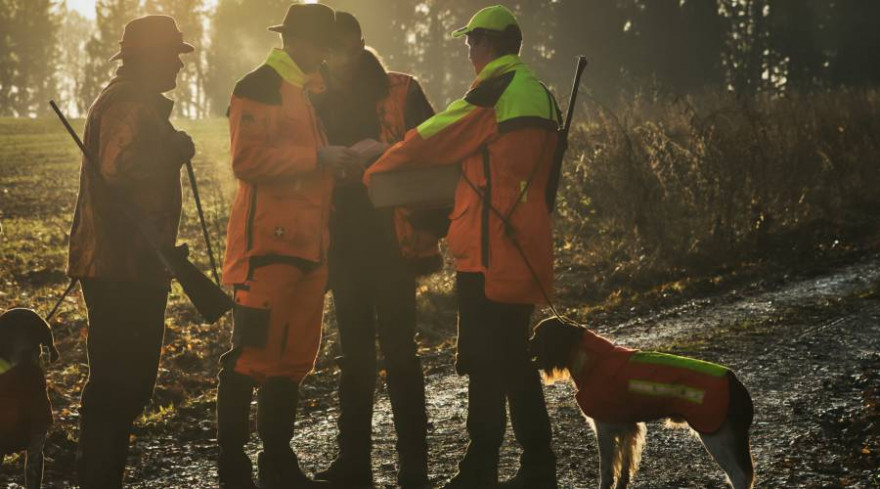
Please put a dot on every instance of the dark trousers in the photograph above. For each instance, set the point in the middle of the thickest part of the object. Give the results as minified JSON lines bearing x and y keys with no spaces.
{"x":493,"y":351}
{"x":126,"y":327}
{"x":374,"y":295}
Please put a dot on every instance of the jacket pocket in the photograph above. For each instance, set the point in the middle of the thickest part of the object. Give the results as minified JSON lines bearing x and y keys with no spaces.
{"x":250,"y":319}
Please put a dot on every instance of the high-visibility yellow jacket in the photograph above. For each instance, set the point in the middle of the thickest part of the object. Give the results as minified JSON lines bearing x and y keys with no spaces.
{"x":281,"y":210}
{"x":503,"y":133}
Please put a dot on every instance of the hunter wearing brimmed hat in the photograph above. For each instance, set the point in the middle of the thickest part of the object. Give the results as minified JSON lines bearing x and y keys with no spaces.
{"x":139,"y":154}
{"x":503,"y":134}
{"x":276,"y":252}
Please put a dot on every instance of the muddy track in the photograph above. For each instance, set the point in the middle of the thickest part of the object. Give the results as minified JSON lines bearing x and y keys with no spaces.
{"x":801,"y":347}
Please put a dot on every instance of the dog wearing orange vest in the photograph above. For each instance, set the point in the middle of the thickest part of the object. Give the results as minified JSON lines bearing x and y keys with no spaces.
{"x":25,"y":411}
{"x":619,"y":389}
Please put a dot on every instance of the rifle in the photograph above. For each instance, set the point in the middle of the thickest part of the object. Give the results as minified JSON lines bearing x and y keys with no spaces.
{"x":562,"y":146}
{"x":207,"y":235}
{"x":208,"y":298}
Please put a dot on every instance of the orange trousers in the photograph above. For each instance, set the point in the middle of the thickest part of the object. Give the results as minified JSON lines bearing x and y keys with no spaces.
{"x":278,"y":317}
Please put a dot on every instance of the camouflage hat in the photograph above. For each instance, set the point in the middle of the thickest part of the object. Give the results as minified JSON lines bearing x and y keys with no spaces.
{"x":150,"y":33}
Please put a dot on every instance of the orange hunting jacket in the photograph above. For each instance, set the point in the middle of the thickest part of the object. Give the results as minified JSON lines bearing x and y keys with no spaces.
{"x":503,"y":133}
{"x":416,"y":246}
{"x":281,"y":210}
{"x":617,"y":384}
{"x":127,"y":130}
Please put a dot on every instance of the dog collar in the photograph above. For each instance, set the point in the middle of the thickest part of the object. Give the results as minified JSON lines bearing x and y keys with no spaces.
{"x":4,"y":366}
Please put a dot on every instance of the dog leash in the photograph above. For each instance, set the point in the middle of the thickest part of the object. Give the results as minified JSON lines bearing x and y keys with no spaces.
{"x":64,"y":295}
{"x":509,"y":232}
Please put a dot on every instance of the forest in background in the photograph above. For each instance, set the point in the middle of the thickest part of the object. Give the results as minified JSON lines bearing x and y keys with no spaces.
{"x":636,"y":47}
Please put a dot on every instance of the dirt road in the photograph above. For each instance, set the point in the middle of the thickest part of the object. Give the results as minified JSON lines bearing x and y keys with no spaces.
{"x":807,"y":347}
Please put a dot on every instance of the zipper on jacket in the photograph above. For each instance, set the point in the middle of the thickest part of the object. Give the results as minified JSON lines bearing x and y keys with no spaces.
{"x":252,"y":210}
{"x":487,"y":202}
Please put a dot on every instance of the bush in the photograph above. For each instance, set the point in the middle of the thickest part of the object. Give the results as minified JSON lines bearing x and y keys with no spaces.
{"x":669,"y":187}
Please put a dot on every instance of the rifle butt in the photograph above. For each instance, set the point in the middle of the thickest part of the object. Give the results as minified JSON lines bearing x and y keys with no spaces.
{"x":207,"y":297}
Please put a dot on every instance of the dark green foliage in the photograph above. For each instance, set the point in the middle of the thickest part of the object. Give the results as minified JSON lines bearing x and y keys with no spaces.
{"x":28,"y":53}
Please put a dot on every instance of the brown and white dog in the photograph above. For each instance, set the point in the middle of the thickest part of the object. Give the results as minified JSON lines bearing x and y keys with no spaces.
{"x":25,"y":411}
{"x":620,"y":389}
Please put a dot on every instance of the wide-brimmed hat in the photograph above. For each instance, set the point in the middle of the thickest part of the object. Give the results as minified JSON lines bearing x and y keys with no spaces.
{"x":314,"y":22}
{"x":151,"y":33}
{"x":496,"y":18}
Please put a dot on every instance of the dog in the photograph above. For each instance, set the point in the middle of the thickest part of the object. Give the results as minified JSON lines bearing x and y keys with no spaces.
{"x":25,"y":410}
{"x":619,"y":389}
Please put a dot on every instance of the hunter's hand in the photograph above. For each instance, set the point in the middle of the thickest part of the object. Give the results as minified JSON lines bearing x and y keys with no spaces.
{"x":183,"y":147}
{"x":342,"y":161}
{"x":369,"y":149}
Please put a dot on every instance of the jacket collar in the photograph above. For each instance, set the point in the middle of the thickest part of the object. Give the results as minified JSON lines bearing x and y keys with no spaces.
{"x":287,"y":68}
{"x":498,"y":67}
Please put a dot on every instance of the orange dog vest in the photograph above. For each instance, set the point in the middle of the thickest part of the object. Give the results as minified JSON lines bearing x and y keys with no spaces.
{"x":617,"y":384}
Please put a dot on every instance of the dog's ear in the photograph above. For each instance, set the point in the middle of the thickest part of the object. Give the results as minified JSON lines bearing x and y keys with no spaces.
{"x":47,"y":339}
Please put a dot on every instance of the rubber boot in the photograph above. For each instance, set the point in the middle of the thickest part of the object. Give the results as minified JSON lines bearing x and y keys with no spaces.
{"x":477,"y":470}
{"x":102,"y":451}
{"x":406,"y":388}
{"x":278,"y":466}
{"x":486,"y":422}
{"x":234,"y":394}
{"x":352,"y":466}
{"x":531,"y":426}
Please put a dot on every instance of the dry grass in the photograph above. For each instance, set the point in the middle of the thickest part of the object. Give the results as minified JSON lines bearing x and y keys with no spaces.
{"x":668,"y":188}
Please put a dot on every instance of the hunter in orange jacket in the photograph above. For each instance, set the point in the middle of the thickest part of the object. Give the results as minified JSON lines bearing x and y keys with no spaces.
{"x":277,"y":243}
{"x":503,"y":134}
{"x":279,"y":217}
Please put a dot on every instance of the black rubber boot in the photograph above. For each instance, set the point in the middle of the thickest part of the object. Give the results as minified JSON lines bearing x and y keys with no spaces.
{"x":234,"y":394}
{"x":278,"y":466}
{"x":531,"y":426}
{"x":101,"y":453}
{"x":352,"y":468}
{"x":406,"y":388}
{"x":485,"y":424}
{"x":477,"y":470}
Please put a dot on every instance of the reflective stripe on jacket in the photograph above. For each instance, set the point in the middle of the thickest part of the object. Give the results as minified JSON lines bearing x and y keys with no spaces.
{"x":503,"y":133}
{"x":127,"y":132}
{"x":617,"y":384}
{"x":416,"y":245}
{"x":281,"y":210}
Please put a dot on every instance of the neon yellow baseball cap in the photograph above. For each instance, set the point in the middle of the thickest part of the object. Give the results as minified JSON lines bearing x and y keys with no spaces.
{"x":495,"y":18}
